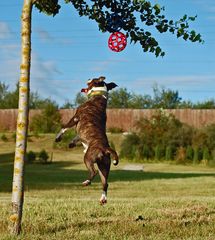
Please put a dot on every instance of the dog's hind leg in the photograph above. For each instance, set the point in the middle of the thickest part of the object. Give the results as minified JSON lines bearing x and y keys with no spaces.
{"x":104,"y":169}
{"x":90,"y":166}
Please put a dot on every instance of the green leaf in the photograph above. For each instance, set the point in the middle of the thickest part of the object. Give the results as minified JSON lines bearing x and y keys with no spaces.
{"x":184,"y":17}
{"x":186,"y":36}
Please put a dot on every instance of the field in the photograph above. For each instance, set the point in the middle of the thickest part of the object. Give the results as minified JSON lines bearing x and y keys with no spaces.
{"x":162,"y":201}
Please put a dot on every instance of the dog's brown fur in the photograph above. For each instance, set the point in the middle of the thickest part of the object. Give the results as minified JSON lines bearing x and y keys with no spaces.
{"x":90,"y":123}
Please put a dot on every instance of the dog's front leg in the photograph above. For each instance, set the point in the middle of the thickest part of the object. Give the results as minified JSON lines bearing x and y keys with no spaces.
{"x":72,"y":122}
{"x":58,"y":138}
{"x":74,"y":141}
{"x":65,"y":127}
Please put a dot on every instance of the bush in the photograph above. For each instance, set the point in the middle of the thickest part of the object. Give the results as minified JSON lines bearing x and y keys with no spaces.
{"x":169,"y":153}
{"x":180,"y":155}
{"x":4,"y":138}
{"x":115,"y":130}
{"x":199,"y":139}
{"x":48,"y":121}
{"x":196,"y":155}
{"x":205,"y":156}
{"x":144,"y":152}
{"x":30,"y":157}
{"x":210,"y":133}
{"x":159,"y":152}
{"x":43,"y":156}
{"x":164,"y":130}
{"x":163,"y":136}
{"x":14,"y":136}
{"x":212,"y":160}
{"x":129,"y":146}
{"x":189,"y":153}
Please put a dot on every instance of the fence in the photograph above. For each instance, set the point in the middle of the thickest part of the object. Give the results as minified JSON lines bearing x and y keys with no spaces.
{"x":119,"y":118}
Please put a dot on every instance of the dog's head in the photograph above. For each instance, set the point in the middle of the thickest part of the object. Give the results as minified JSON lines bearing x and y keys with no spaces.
{"x":97,"y":86}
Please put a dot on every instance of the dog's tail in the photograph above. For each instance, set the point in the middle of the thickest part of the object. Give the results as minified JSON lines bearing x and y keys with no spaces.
{"x":113,"y":155}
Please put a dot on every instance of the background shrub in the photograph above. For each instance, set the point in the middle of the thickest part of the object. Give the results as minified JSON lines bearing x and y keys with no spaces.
{"x":205,"y":156}
{"x":48,"y":121}
{"x":14,"y":136}
{"x":165,"y":138}
{"x":169,"y":153}
{"x":159,"y":152}
{"x":144,"y":152}
{"x":115,"y":130}
{"x":212,"y":160}
{"x":4,"y":138}
{"x":30,"y":157}
{"x":210,"y":133}
{"x":181,"y":155}
{"x":129,"y":146}
{"x":43,"y":156}
{"x":196,"y":155}
{"x":189,"y":154}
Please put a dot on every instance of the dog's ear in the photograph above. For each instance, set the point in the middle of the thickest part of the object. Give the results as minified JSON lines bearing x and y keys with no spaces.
{"x":111,"y":86}
{"x":101,"y":79}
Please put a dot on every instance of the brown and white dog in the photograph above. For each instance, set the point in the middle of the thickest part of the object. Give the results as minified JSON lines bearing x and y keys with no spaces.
{"x":90,"y":123}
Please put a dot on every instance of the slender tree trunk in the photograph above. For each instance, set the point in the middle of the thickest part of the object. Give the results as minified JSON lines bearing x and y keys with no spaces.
{"x":22,"y":121}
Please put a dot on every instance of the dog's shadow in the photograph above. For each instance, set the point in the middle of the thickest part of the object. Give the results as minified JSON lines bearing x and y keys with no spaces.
{"x":67,"y":175}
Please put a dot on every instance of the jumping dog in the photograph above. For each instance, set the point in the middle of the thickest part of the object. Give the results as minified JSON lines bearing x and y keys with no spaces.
{"x":90,"y":123}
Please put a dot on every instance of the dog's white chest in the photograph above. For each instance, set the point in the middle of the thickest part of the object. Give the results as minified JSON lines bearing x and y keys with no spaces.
{"x":85,"y":147}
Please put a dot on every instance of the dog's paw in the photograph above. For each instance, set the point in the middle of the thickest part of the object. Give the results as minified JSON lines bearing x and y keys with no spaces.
{"x":58,"y":139}
{"x":72,"y":145}
{"x":86,"y":183}
{"x":103,"y":200}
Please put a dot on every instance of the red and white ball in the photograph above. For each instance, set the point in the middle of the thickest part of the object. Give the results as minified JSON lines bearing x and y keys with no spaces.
{"x":117,"y":41}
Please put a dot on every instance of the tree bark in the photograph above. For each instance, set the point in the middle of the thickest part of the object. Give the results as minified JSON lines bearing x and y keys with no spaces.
{"x":22,"y":121}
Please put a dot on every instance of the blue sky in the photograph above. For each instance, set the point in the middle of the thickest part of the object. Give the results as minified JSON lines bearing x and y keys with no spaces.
{"x":68,"y":50}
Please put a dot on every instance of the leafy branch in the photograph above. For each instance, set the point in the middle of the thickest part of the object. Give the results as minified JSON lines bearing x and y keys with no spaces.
{"x":132,"y":12}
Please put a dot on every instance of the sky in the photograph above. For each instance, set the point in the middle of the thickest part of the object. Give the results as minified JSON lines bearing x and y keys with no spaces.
{"x":67,"y":50}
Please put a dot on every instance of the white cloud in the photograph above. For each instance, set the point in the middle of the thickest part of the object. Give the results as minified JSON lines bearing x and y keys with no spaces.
{"x":5,"y":31}
{"x":211,"y":18}
{"x":189,"y":83}
{"x":183,"y":79}
{"x":208,"y":5}
{"x":99,"y":66}
{"x":44,"y":35}
{"x":10,"y":61}
{"x":43,"y":73}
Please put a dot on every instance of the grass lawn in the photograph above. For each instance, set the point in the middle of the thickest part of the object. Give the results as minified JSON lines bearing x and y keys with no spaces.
{"x":164,"y":201}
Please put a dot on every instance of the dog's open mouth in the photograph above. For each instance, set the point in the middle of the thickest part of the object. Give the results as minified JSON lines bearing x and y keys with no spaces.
{"x":84,"y":90}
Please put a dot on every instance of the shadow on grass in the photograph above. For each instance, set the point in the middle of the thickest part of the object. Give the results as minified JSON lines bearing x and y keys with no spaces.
{"x":59,"y":174}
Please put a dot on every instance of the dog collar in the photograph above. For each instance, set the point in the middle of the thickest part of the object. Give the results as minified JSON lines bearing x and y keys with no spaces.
{"x":98,"y":91}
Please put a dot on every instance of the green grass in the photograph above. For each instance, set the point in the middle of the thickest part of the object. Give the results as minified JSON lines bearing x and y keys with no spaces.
{"x":162,"y":202}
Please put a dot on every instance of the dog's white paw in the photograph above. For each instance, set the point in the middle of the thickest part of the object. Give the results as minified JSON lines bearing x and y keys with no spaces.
{"x":86,"y":183}
{"x":103,"y":200}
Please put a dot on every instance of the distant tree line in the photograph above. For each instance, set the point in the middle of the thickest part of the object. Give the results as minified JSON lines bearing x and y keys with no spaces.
{"x":120,"y":98}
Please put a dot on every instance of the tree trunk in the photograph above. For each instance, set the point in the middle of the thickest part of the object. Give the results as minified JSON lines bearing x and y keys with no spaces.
{"x":22,"y":121}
